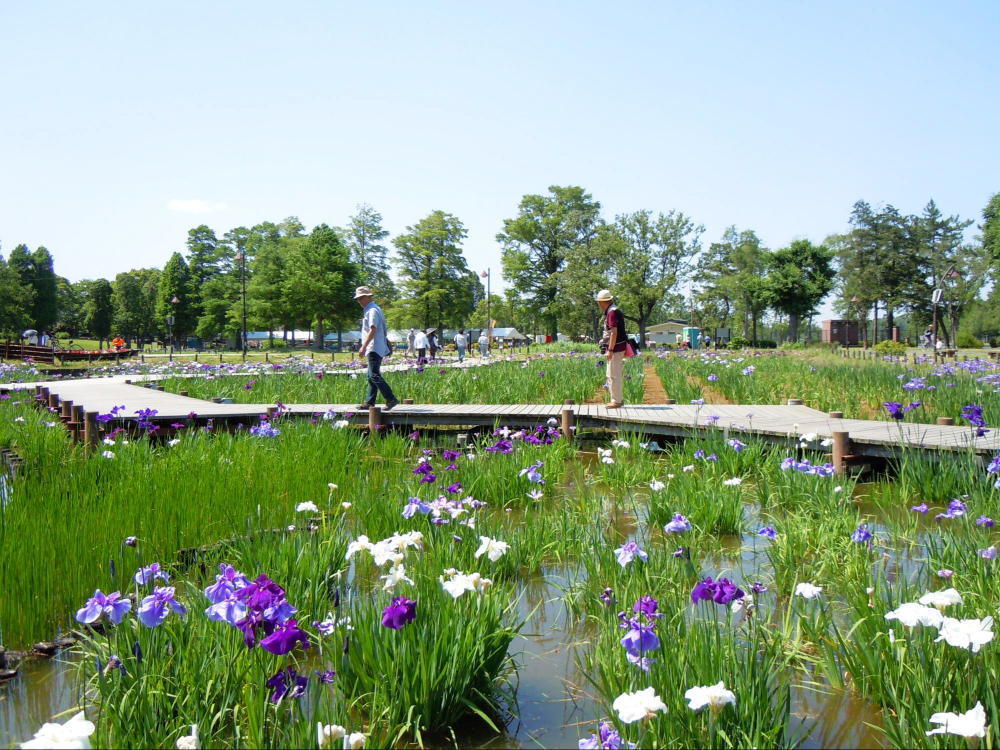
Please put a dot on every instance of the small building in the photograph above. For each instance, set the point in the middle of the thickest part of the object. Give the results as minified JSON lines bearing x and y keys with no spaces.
{"x":669,"y":332}
{"x":843,"y":332}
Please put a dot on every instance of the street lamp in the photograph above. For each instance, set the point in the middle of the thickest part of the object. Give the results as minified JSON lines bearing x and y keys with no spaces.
{"x":242,"y":258}
{"x":171,"y":320}
{"x":489,"y":322}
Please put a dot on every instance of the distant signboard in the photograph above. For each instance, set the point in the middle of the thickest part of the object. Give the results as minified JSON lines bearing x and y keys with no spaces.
{"x":722,"y":334}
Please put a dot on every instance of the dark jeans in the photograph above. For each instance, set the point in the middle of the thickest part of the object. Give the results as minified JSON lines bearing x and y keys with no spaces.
{"x":376,"y":384}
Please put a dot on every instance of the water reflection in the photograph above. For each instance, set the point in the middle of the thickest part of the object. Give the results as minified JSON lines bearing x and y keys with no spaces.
{"x":41,"y":690}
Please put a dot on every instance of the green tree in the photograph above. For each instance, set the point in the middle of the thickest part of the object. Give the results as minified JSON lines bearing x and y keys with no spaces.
{"x":363,"y":236}
{"x":655,"y":254}
{"x":732,"y":274}
{"x":799,"y":277}
{"x":319,"y":281}
{"x":437,"y":287}
{"x":15,"y":300}
{"x":36,"y":270}
{"x":175,"y":284}
{"x":70,"y":299}
{"x":991,"y":229}
{"x":98,"y":310}
{"x":537,"y":241}
{"x":133,"y":299}
{"x":588,"y":269}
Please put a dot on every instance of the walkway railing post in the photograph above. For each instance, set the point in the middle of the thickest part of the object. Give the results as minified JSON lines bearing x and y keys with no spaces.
{"x":836,"y":415}
{"x":946,"y":420}
{"x":568,"y":422}
{"x":374,"y":419}
{"x":670,"y":401}
{"x":90,"y":434}
{"x":795,"y":402}
{"x":841,"y":448}
{"x":76,"y":423}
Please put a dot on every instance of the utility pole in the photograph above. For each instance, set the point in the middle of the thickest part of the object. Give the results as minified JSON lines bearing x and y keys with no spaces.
{"x":242,"y":258}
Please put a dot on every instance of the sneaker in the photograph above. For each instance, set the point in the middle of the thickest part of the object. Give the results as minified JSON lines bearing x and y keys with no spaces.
{"x":614,"y":405}
{"x":391,"y":405}
{"x":363,"y":406}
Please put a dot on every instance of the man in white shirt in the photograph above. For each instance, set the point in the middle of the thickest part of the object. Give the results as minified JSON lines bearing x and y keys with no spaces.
{"x":420,"y":343}
{"x":484,"y":344}
{"x":374,"y":345}
{"x":460,"y":343}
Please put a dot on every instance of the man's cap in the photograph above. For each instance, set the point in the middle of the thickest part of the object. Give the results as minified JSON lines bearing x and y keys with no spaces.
{"x":363,"y":291}
{"x":604,"y":296}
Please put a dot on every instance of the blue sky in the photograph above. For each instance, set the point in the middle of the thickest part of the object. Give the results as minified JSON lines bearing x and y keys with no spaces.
{"x":124,"y":124}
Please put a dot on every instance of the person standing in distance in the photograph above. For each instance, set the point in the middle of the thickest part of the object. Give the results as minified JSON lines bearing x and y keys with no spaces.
{"x":484,"y":344}
{"x":420,"y":343}
{"x":460,"y":343}
{"x":374,"y":345}
{"x":613,"y":344}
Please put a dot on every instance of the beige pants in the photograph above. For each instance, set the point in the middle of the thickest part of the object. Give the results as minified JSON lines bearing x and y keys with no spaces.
{"x":614,"y":372}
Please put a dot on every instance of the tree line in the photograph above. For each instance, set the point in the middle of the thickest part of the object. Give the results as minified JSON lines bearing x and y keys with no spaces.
{"x":557,"y":250}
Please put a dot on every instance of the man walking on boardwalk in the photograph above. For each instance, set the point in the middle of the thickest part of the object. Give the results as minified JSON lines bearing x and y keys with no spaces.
{"x":374,"y":345}
{"x":613,"y":344}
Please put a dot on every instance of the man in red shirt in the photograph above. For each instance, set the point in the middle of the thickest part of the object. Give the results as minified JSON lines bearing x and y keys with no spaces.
{"x":613,"y":344}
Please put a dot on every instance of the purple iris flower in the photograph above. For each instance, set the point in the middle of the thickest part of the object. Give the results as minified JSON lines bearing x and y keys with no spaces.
{"x":501,"y":446}
{"x":699,"y":453}
{"x":640,"y":638}
{"x":607,"y":596}
{"x":758,"y":588}
{"x":400,"y":612}
{"x":230,"y":610}
{"x":226,"y":582}
{"x":945,"y":573}
{"x":284,"y":638}
{"x":628,"y":552}
{"x":681,"y":552}
{"x":265,"y":430}
{"x":454,"y":488}
{"x":973,"y":414}
{"x":287,"y":683}
{"x":607,"y":738}
{"x":99,"y":604}
{"x":703,"y":590}
{"x":768,"y":531}
{"x":325,"y":677}
{"x":260,"y":594}
{"x":861,"y":534}
{"x":712,"y":377}
{"x":646,"y":605}
{"x":677,"y":525}
{"x":749,"y":370}
{"x":427,"y":478}
{"x":985,"y":521}
{"x":154,"y":608}
{"x":894,"y":408}
{"x":788,"y":463}
{"x":424,"y":467}
{"x":448,"y":455}
{"x":736,"y":445}
{"x":150,"y":573}
{"x":922,"y":508}
{"x":131,"y":541}
{"x":722,"y":591}
{"x":994,"y":466}
{"x":989,"y":553}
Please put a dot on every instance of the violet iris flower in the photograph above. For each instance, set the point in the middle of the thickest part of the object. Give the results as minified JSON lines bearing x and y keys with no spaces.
{"x":284,"y":638}
{"x":894,"y":408}
{"x":607,"y":738}
{"x":454,"y":488}
{"x":736,"y":445}
{"x":325,"y":677}
{"x":640,"y":638}
{"x":131,"y":541}
{"x":99,"y":604}
{"x":722,"y":591}
{"x":646,"y":605}
{"x":699,"y":453}
{"x":861,"y":534}
{"x":287,"y":683}
{"x":154,"y":608}
{"x":678,"y":524}
{"x":973,"y":414}
{"x":768,"y":531}
{"x":922,"y":508}
{"x":150,"y":573}
{"x":985,"y":521}
{"x":400,"y":612}
{"x":628,"y":552}
{"x":226,"y":583}
{"x":607,"y":596}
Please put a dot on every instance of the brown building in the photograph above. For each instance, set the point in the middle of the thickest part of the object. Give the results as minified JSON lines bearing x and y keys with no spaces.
{"x":843,"y":332}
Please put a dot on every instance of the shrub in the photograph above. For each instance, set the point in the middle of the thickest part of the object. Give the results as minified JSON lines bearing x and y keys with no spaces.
{"x":967,"y":341}
{"x":274,"y":344}
{"x":738,"y":342}
{"x":765,"y":344}
{"x":792,"y":345}
{"x":890,"y":348}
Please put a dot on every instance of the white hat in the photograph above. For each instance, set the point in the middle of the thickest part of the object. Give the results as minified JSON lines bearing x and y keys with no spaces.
{"x":604,"y":296}
{"x":363,"y":291}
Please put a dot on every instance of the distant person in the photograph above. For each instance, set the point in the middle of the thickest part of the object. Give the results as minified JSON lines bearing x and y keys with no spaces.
{"x":374,"y":346}
{"x":484,"y":345}
{"x":613,"y":344}
{"x":410,"y":351}
{"x":420,"y":343}
{"x":432,"y":342}
{"x":928,"y":337}
{"x":460,"y":343}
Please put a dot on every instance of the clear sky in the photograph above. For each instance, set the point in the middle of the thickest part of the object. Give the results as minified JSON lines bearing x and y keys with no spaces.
{"x":124,"y":124}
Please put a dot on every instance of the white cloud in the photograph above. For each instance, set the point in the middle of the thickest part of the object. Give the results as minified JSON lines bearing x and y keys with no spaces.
{"x":196,"y":206}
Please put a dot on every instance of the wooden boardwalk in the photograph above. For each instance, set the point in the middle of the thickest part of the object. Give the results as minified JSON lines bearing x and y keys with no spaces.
{"x":779,"y":423}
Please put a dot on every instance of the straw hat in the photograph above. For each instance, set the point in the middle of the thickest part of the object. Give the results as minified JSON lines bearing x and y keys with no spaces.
{"x":363,"y":291}
{"x":604,"y":296}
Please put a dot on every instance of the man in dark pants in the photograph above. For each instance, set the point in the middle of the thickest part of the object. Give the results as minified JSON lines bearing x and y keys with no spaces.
{"x":374,"y":345}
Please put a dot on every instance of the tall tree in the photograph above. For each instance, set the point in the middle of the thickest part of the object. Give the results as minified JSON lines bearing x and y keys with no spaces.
{"x":537,"y":241}
{"x":98,"y":311}
{"x":36,"y":270}
{"x":70,"y":299}
{"x":656,"y":253}
{"x":175,"y":284}
{"x":15,"y":300}
{"x":588,"y":270}
{"x":437,"y":287}
{"x":320,"y":279}
{"x":133,"y":299}
{"x":733,"y":272}
{"x":364,"y":235}
{"x":991,"y":229}
{"x":799,"y":277}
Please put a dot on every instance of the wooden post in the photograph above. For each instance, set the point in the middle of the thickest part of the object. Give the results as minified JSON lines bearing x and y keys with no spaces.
{"x":90,"y":434}
{"x":841,"y":448}
{"x":569,"y":402}
{"x":836,"y":415}
{"x":76,"y":423}
{"x":946,"y":420}
{"x":374,"y":419}
{"x":67,"y":411}
{"x":271,"y":411}
{"x":53,"y":400}
{"x":220,"y":358}
{"x":407,"y":401}
{"x":182,"y":393}
{"x":568,"y":423}
{"x":128,"y":382}
{"x":670,"y":401}
{"x":795,"y":402}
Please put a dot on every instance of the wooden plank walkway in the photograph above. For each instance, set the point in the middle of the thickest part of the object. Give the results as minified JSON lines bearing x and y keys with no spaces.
{"x":775,"y":422}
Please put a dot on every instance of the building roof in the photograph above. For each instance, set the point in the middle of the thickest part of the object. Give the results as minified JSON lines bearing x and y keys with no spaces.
{"x":667,"y":325}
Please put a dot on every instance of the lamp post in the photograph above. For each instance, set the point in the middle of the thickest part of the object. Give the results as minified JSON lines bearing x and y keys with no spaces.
{"x":171,"y":320}
{"x":489,"y":321}
{"x":242,"y":258}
